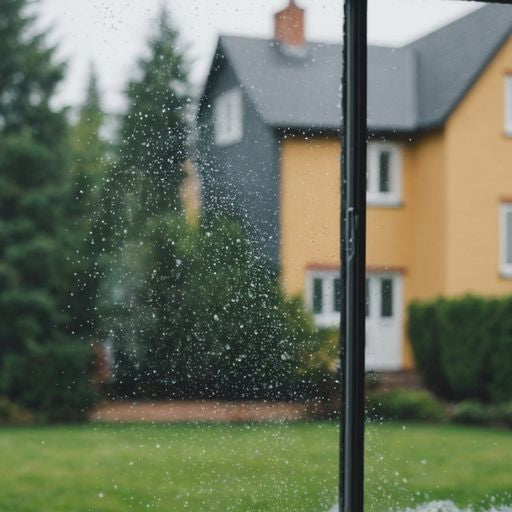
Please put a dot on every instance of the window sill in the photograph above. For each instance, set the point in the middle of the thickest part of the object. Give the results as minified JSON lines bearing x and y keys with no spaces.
{"x":506,"y":275}
{"x":384,"y":203}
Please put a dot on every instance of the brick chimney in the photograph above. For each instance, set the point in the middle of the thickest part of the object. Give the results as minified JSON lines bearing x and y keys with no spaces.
{"x":289,"y":25}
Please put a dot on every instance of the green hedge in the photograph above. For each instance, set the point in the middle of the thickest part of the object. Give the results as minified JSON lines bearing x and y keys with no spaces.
{"x":463,"y":347}
{"x":406,"y":405}
{"x":51,"y":381}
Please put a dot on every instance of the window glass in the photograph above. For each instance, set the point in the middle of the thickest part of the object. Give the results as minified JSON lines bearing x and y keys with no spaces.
{"x":384,"y":174}
{"x":507,"y":111}
{"x":318,"y":295}
{"x":337,"y":295}
{"x":438,"y":256}
{"x":367,"y":295}
{"x":386,"y":294}
{"x":384,"y":171}
{"x":228,"y":117}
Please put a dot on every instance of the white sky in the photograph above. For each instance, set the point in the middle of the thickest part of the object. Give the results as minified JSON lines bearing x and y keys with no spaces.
{"x":112,"y":33}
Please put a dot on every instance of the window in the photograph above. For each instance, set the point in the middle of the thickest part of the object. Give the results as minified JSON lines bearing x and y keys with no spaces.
{"x":323,"y":295}
{"x":384,"y":185}
{"x":386,"y":294}
{"x":228,"y":126}
{"x":508,"y":105}
{"x":318,"y":299}
{"x":506,"y":239}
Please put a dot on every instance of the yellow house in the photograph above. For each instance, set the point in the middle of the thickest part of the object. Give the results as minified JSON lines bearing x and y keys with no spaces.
{"x":439,"y":165}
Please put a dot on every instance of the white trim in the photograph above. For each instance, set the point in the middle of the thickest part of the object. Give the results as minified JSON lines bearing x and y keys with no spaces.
{"x":505,"y":235}
{"x":329,"y":317}
{"x":507,"y":104}
{"x":374,"y":196}
{"x":384,"y":337}
{"x":228,"y":117}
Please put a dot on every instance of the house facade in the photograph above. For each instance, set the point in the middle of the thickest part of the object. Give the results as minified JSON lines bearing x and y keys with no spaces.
{"x":439,"y":220}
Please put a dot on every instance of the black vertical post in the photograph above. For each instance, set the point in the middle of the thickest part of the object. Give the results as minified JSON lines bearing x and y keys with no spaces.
{"x":353,"y":255}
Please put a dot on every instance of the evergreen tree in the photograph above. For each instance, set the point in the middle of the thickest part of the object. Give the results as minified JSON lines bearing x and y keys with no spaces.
{"x":154,"y":130}
{"x":89,"y":152}
{"x":142,"y":190}
{"x":35,"y":274}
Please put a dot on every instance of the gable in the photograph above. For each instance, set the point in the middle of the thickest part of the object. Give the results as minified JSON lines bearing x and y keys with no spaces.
{"x":412,"y":88}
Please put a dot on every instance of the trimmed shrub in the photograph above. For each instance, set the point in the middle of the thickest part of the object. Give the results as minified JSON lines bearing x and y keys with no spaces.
{"x":52,"y":381}
{"x":463,"y":347}
{"x":470,"y":412}
{"x":12,"y":414}
{"x":319,"y":369}
{"x":503,"y":414}
{"x":425,"y":336}
{"x":407,"y":405}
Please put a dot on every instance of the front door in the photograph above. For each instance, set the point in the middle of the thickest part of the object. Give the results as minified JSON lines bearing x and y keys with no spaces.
{"x":384,"y":313}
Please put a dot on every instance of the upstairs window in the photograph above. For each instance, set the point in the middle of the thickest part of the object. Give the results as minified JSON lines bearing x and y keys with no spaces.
{"x":508,"y":105}
{"x":506,"y":239}
{"x":228,"y":126}
{"x":384,"y":185}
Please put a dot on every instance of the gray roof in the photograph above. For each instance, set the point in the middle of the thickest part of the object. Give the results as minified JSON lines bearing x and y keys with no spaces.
{"x":410,"y":88}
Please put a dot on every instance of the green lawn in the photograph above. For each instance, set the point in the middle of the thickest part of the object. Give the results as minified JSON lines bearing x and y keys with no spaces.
{"x":286,"y":467}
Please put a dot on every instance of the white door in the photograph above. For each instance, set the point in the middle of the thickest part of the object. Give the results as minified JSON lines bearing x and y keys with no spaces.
{"x":384,"y":313}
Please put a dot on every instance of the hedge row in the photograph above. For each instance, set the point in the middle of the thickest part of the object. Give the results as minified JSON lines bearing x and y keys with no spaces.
{"x":463,"y":347}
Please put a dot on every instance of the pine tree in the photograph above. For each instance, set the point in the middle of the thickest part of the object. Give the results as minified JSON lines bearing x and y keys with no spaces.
{"x":35,"y":253}
{"x":89,"y":152}
{"x":33,"y":159}
{"x":154,"y":130}
{"x":142,"y":193}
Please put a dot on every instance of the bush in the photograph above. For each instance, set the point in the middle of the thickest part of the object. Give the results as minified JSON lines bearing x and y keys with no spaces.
{"x":52,"y":381}
{"x":463,"y":347}
{"x":319,"y":369}
{"x":406,"y":405}
{"x":207,"y":318}
{"x":12,"y":414}
{"x":470,"y":412}
{"x":503,"y":414}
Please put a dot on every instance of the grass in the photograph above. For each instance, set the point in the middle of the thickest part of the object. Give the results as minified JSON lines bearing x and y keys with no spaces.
{"x":285,"y":467}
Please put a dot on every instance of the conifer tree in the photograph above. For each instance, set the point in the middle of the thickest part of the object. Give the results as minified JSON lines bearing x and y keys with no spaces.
{"x":36,"y":277}
{"x":154,"y":129}
{"x":33,"y":186}
{"x":143,"y":191}
{"x":89,"y":163}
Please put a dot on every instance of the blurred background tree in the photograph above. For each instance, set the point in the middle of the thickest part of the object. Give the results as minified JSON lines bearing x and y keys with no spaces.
{"x":36,"y":250}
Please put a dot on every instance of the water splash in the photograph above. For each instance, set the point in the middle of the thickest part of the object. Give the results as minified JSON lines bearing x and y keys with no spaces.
{"x":442,"y":506}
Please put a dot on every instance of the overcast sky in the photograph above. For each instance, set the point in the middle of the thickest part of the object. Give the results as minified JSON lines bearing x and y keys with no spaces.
{"x":111,"y":33}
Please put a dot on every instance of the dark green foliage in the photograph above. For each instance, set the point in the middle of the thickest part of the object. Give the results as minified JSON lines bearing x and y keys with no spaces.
{"x":208,"y":320}
{"x":471,"y":412}
{"x":86,"y":218}
{"x":424,"y":334}
{"x":51,"y":380}
{"x":406,"y":405}
{"x":463,"y":347}
{"x":13,"y":414}
{"x":154,"y":130}
{"x":499,"y":381}
{"x":503,"y":414}
{"x":36,"y":206}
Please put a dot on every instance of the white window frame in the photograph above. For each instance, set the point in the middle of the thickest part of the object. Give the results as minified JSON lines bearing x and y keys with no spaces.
{"x":374,"y":196}
{"x":507,"y":101}
{"x":505,"y":266}
{"x":328,"y":317}
{"x":228,"y":117}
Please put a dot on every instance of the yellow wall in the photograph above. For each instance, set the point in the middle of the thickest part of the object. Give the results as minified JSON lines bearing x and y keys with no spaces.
{"x":445,"y":235}
{"x":310,"y":207}
{"x":408,"y":238}
{"x":479,"y":160}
